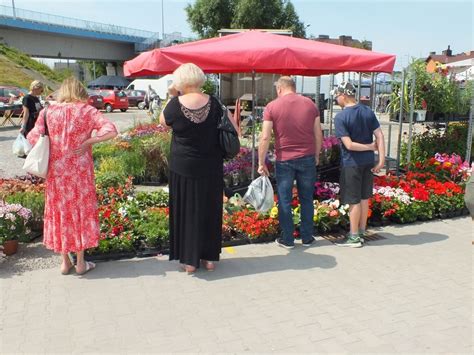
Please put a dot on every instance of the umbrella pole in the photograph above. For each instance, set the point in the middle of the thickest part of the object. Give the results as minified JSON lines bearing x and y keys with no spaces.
{"x":253,"y":123}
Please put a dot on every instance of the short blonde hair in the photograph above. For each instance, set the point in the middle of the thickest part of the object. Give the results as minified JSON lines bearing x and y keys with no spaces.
{"x":188,"y":75}
{"x":72,"y":90}
{"x":36,"y":84}
{"x":286,"y":82}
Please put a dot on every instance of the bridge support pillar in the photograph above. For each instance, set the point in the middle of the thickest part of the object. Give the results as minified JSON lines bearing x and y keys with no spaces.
{"x":111,"y":70}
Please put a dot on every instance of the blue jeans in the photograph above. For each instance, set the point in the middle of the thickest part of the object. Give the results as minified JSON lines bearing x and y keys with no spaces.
{"x":304,"y":171}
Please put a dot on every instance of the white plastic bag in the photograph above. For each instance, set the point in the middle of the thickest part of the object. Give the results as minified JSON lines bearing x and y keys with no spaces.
{"x":21,"y":146}
{"x":260,"y":194}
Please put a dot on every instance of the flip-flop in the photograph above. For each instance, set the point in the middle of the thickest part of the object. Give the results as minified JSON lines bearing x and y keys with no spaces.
{"x":89,"y":266}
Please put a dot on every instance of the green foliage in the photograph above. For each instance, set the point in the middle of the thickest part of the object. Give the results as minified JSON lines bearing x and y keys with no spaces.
{"x":123,"y":243}
{"x":100,"y":67}
{"x":209,"y":87}
{"x":152,"y":199}
{"x":438,"y":92}
{"x":153,"y":227}
{"x":206,"y":17}
{"x":156,"y":151}
{"x":25,"y":61}
{"x":102,"y":150}
{"x":425,"y":145}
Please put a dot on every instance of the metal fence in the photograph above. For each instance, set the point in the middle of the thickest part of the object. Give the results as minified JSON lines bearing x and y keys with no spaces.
{"x":39,"y":17}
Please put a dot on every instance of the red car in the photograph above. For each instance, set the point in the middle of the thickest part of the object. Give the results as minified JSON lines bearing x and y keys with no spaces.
{"x":113,"y":99}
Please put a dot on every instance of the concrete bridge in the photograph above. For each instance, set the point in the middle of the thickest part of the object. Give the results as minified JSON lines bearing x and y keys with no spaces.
{"x":50,"y":36}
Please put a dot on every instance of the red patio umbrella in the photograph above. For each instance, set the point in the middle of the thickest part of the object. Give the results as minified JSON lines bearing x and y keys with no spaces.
{"x":261,"y":52}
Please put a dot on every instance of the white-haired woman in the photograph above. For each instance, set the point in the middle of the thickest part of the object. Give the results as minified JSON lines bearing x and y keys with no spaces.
{"x":196,"y":177}
{"x":71,"y":221}
{"x":31,"y":107}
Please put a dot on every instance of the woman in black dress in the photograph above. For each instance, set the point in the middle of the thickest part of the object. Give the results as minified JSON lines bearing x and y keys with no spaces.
{"x":196,"y":177}
{"x":31,"y":107}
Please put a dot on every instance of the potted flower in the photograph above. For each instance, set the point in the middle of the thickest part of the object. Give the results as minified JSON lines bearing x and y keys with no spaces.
{"x":13,"y":225}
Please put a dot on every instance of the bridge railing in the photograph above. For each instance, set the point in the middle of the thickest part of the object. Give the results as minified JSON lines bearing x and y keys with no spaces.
{"x":40,"y":17}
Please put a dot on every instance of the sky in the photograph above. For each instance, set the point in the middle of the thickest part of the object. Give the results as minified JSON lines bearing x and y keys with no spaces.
{"x":404,"y":28}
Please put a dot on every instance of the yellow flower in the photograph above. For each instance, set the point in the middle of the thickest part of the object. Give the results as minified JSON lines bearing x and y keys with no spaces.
{"x":274,"y":212}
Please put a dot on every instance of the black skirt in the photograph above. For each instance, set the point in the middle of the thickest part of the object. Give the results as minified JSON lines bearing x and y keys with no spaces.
{"x":195,"y":217}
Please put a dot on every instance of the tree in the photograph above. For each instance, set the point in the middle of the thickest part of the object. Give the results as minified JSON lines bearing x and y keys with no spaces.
{"x":100,"y":67}
{"x":206,"y":17}
{"x":257,"y":14}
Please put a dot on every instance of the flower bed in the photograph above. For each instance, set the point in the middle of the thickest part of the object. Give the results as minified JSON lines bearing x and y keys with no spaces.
{"x":136,"y":224}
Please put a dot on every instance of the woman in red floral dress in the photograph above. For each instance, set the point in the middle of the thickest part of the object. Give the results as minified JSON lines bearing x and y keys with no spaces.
{"x":71,"y":222}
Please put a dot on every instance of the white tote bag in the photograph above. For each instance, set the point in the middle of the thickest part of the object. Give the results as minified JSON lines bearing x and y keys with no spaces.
{"x":36,"y":163}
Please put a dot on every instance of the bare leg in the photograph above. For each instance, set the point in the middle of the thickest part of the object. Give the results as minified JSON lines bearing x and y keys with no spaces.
{"x":66,"y":264}
{"x":364,"y":207}
{"x":354,"y":217}
{"x":80,"y":263}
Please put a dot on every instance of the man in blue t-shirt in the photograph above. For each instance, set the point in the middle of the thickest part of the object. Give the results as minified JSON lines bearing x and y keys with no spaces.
{"x":356,"y":126}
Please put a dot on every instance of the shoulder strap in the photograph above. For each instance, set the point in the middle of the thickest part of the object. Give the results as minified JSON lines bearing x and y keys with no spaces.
{"x":46,"y":131}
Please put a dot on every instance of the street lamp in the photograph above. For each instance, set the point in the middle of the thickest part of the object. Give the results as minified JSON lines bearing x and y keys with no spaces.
{"x":14,"y":12}
{"x":162,"y":21}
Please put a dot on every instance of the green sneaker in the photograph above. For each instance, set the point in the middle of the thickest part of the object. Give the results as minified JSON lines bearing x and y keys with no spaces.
{"x":362,"y":236}
{"x":352,"y":241}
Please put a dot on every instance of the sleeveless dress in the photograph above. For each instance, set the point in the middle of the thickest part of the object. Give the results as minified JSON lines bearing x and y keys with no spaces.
{"x":195,"y":182}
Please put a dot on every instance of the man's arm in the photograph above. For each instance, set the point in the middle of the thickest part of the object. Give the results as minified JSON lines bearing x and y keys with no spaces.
{"x":24,"y":118}
{"x":380,"y":143}
{"x":357,"y":147}
{"x":263,"y":145}
{"x":318,"y":137}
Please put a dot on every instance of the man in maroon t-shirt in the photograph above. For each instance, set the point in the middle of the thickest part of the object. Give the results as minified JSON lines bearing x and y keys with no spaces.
{"x":298,"y":138}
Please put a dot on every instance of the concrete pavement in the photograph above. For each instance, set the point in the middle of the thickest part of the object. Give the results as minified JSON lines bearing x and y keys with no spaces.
{"x":408,"y":293}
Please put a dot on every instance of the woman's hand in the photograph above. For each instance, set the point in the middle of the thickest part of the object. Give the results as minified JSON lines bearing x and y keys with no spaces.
{"x":83,"y":148}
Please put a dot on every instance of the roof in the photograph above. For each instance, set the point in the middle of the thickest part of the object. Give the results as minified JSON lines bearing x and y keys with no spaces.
{"x":442,"y":58}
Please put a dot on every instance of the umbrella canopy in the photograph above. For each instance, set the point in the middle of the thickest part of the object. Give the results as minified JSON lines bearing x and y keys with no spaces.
{"x":261,"y":52}
{"x":109,"y":81}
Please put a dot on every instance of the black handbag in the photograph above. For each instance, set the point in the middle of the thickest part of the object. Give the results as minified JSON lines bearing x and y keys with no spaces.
{"x":228,"y":137}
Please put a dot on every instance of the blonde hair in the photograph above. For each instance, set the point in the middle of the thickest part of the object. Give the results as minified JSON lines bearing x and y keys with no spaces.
{"x":72,"y":90}
{"x":36,"y":84}
{"x":188,"y":75}
{"x":286,"y":82}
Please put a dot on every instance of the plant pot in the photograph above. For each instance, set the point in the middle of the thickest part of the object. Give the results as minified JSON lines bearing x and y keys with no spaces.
{"x":10,"y":247}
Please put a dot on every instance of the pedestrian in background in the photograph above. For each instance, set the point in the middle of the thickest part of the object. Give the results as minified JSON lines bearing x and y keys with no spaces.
{"x":31,"y":107}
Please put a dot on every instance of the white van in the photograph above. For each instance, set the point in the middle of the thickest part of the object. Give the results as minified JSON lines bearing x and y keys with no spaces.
{"x":159,"y":85}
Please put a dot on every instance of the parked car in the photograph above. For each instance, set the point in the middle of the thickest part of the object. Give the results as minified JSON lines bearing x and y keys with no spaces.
{"x":113,"y":99}
{"x":95,"y":100}
{"x":136,"y":98}
{"x":12,"y":94}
